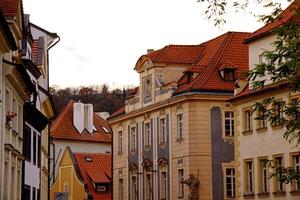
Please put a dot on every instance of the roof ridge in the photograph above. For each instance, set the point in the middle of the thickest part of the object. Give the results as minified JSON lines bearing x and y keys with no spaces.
{"x":60,"y":116}
{"x":217,"y":55}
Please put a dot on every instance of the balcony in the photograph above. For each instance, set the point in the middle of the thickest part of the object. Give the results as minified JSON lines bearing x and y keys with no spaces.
{"x":12,"y":140}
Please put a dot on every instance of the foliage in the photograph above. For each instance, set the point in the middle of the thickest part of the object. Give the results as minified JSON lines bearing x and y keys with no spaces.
{"x":281,"y":66}
{"x":103,"y":99}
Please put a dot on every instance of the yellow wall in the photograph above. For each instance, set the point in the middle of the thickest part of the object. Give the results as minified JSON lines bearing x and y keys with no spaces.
{"x":67,"y":176}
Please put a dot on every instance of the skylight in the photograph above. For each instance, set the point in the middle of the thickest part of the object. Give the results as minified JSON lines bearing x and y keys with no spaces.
{"x":88,"y":159}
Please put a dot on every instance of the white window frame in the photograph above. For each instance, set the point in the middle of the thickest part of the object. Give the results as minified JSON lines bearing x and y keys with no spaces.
{"x":229,"y":119}
{"x":249,"y":176}
{"x":148,"y":135}
{"x":120,"y":142}
{"x":231,"y":177}
{"x":180,"y":128}
{"x":248,"y":120}
{"x":133,"y":139}
{"x":163,"y":130}
{"x":264,"y":175}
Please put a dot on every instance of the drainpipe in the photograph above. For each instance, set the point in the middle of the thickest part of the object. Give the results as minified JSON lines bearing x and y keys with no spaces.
{"x":50,"y":122}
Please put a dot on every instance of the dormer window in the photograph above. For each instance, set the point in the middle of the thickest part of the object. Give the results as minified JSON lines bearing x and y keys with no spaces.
{"x":228,"y":74}
{"x":147,"y":89}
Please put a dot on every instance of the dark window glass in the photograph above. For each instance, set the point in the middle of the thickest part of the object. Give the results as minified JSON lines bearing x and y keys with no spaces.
{"x":39,"y":151}
{"x":33,"y":193}
{"x":26,"y":192}
{"x":27,"y":143}
{"x":34,"y":147}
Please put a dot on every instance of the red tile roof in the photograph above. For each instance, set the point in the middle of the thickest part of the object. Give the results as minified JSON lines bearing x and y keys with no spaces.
{"x":218,"y":52}
{"x":64,"y":129}
{"x":98,"y":171}
{"x":10,"y":7}
{"x":177,"y":54}
{"x":286,"y":16}
{"x":120,"y":111}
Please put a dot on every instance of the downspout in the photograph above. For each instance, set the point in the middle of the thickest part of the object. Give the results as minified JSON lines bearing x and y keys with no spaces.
{"x":50,"y":122}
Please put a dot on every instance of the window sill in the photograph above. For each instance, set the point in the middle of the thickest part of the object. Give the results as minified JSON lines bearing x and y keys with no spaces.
{"x":263,"y":194}
{"x":247,"y":132}
{"x":249,"y":195}
{"x":279,"y":194}
{"x":179,"y":139}
{"x":261,"y":129}
{"x":295,"y":192}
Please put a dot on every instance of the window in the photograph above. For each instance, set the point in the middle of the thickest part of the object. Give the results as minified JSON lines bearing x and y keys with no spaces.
{"x":121,"y":188}
{"x":33,"y":193}
{"x":39,"y":151}
{"x":147,"y":88}
{"x":120,"y":142}
{"x":180,"y":126}
{"x":133,"y":188}
{"x":261,"y":122}
{"x":263,"y":175}
{"x":229,"y":75}
{"x":278,"y":185}
{"x":229,"y":124}
{"x":27,"y":143}
{"x":38,"y":194}
{"x":148,"y":187}
{"x":88,"y":159}
{"x":148,"y":134}
{"x":101,"y":188}
{"x":26,"y":192}
{"x":296,"y":159}
{"x":163,"y":131}
{"x":180,"y":184}
{"x":278,"y":113}
{"x":133,"y":139}
{"x":20,"y":123}
{"x":34,"y":147}
{"x":249,"y":176}
{"x":163,"y":185}
{"x":66,"y":187}
{"x":247,"y":120}
{"x":230,"y":182}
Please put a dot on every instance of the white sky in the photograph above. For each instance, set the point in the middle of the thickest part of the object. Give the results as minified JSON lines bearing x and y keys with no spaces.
{"x":101,"y":40}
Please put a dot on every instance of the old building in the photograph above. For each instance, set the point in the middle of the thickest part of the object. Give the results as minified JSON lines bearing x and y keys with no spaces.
{"x":82,"y":130}
{"x":83,"y":176}
{"x":177,"y":122}
{"x":257,"y":141}
{"x":38,"y":110}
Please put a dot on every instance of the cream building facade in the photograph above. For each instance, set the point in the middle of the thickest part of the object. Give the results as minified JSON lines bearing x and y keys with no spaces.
{"x":257,"y":141}
{"x":170,"y":127}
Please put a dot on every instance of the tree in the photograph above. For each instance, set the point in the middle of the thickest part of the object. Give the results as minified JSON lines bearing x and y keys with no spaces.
{"x":283,"y":67}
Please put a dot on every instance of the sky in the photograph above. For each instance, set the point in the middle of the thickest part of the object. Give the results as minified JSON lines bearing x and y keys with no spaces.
{"x":101,"y":40}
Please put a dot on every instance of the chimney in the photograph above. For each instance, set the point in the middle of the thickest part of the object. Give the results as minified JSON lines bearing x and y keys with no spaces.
{"x":88,"y":117}
{"x":78,"y":116}
{"x":149,"y":50}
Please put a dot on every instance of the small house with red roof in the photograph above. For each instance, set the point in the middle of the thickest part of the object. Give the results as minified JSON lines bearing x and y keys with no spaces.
{"x":78,"y":127}
{"x":83,"y":176}
{"x":177,"y":122}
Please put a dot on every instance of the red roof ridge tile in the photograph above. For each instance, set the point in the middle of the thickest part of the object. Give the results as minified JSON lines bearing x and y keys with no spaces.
{"x":61,"y":116}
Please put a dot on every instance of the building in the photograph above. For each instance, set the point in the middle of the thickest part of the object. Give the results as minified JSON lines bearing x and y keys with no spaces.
{"x":38,"y":111}
{"x":257,"y":141}
{"x":78,"y":127}
{"x":177,"y":122}
{"x":83,"y":176}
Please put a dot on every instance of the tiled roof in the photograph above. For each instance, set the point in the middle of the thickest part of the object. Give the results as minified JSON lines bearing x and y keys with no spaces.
{"x":97,"y":170}
{"x":34,"y":49}
{"x":287,"y":15}
{"x":9,"y":7}
{"x":132,"y":92}
{"x":64,"y":129}
{"x":177,"y":54}
{"x":120,"y":111}
{"x":218,"y":52}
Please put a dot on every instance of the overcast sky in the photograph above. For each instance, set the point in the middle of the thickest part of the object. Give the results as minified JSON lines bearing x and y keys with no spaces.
{"x":101,"y":40}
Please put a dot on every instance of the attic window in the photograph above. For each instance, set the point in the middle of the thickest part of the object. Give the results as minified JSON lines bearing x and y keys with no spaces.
{"x":88,"y":159}
{"x":228,"y":74}
{"x":100,"y":188}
